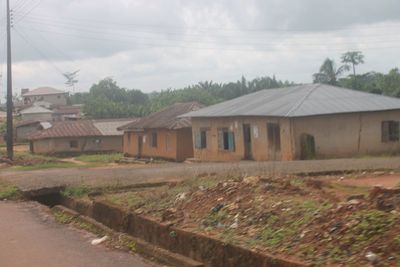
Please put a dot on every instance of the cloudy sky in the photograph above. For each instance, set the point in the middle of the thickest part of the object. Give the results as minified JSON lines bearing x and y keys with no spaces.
{"x":158,"y":44}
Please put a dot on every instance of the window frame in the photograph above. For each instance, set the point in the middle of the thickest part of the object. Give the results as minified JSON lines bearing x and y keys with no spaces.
{"x":390,"y":131}
{"x":226,"y":140}
{"x":73,"y":144}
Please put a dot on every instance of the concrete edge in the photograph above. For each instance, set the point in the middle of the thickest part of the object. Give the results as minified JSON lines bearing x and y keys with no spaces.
{"x":141,"y":247}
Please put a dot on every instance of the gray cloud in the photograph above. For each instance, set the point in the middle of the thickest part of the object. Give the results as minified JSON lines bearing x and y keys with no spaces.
{"x":159,"y":44}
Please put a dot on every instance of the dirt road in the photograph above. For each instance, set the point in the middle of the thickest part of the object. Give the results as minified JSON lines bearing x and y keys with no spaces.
{"x":31,"y":237}
{"x":134,"y":174}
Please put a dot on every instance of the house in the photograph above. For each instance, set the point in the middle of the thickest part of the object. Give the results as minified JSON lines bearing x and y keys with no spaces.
{"x":36,"y":113}
{"x":62,"y":113}
{"x":298,"y":122}
{"x":3,"y":116}
{"x":161,"y":134}
{"x":80,"y":136}
{"x":44,"y":94}
{"x":26,"y":128}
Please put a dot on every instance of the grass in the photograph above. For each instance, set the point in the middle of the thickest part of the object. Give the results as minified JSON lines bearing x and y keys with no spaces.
{"x":76,"y":191}
{"x":8,"y":191}
{"x":100,"y":158}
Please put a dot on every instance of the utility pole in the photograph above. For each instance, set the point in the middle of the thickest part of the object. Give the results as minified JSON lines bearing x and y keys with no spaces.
{"x":10,"y":136}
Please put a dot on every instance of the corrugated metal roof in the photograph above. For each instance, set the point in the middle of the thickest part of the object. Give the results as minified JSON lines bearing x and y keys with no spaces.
{"x":111,"y":127}
{"x":167,"y":118}
{"x":43,"y":91}
{"x":35,"y":110}
{"x":299,"y":101}
{"x":81,"y":128}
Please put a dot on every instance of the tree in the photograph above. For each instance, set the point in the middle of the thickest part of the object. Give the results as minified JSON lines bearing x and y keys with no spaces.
{"x":391,"y":83}
{"x":354,"y":58}
{"x":71,"y":79}
{"x":328,"y":73}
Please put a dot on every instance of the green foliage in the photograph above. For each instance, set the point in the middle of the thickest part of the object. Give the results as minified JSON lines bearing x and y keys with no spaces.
{"x":8,"y":191}
{"x":107,"y":100}
{"x":328,"y":73}
{"x":75,"y":191}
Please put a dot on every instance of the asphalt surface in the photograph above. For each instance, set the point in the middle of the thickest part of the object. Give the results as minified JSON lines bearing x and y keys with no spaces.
{"x":30,"y":237}
{"x":136,"y":174}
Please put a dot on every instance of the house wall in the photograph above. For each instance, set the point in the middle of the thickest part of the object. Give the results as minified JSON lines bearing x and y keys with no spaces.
{"x":346,"y":135}
{"x":22,"y":132}
{"x":37,"y":117}
{"x":85,"y":144}
{"x":58,"y":99}
{"x":259,"y":141}
{"x":335,"y":136}
{"x":171,"y":144}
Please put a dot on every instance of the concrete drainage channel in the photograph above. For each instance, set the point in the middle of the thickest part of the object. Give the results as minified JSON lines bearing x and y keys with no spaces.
{"x":163,"y":242}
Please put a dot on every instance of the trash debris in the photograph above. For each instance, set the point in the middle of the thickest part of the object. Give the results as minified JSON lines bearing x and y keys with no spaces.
{"x":98,"y":241}
{"x":252,"y":180}
{"x":217,"y":208}
{"x":371,"y":257}
{"x":181,"y":196}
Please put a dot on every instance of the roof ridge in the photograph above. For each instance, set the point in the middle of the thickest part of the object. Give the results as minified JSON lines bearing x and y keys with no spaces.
{"x":301,"y":101}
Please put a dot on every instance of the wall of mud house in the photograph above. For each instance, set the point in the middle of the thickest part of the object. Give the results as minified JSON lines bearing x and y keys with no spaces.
{"x":346,"y":135}
{"x":77,"y":145}
{"x":171,"y":144}
{"x":260,"y":146}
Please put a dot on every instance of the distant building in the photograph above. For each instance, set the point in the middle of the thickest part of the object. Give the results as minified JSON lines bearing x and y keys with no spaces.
{"x":161,"y":134}
{"x":45,"y":94}
{"x":62,"y":113}
{"x":79,"y":137}
{"x":298,"y":122}
{"x":26,"y":128}
{"x":36,"y":113}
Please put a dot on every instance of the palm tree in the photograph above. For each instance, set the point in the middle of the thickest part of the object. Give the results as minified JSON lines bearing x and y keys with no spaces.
{"x":354,"y":58}
{"x":328,"y":73}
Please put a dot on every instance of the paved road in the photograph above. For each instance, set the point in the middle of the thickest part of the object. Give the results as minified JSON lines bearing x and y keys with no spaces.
{"x":134,"y":174}
{"x":30,"y":237}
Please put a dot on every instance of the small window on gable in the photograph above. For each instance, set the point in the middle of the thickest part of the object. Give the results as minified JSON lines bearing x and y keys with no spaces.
{"x":73,"y":144}
{"x":390,"y":131}
{"x":201,"y":139}
{"x":153,"y":139}
{"x":226,"y":140}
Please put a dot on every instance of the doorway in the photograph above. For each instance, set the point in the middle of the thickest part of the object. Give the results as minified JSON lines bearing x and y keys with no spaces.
{"x":307,"y":143}
{"x":274,"y":141}
{"x":247,"y":141}
{"x":140,"y":146}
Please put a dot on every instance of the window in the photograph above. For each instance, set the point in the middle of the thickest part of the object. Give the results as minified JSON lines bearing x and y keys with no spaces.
{"x":73,"y":144}
{"x":153,"y":141}
{"x":390,"y":131}
{"x":201,"y":139}
{"x":226,"y":140}
{"x":274,"y":136}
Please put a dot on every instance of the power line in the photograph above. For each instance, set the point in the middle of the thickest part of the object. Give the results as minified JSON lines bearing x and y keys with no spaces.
{"x":294,"y":46}
{"x":265,"y":29}
{"x":22,"y":16}
{"x":38,"y":51}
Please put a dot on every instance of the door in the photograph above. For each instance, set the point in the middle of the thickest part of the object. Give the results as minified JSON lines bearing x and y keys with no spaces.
{"x":307,"y":143}
{"x":140,"y":146}
{"x":274,"y":141}
{"x":247,"y":141}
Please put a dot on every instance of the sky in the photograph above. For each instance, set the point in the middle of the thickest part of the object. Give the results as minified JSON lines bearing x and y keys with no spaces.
{"x":158,"y":44}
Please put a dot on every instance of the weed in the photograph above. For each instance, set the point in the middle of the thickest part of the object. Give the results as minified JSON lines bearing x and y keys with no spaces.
{"x":397,"y":240}
{"x":75,"y":191}
{"x":63,"y":218}
{"x":214,"y":218}
{"x":8,"y":191}
{"x":102,"y":158}
{"x":46,"y":165}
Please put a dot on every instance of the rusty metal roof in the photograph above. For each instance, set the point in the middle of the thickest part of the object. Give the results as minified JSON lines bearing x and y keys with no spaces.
{"x":299,"y":101}
{"x":44,"y":91}
{"x":167,"y":118}
{"x":81,"y":128}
